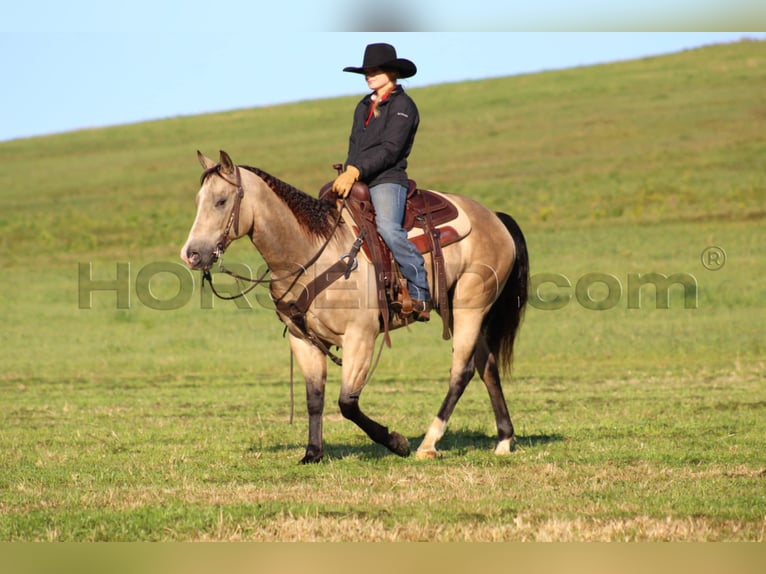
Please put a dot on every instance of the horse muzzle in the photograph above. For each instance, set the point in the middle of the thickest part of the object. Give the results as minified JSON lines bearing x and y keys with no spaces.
{"x":198,"y":258}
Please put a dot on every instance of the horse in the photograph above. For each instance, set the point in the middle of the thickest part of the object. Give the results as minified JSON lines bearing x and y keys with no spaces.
{"x":300,"y":237}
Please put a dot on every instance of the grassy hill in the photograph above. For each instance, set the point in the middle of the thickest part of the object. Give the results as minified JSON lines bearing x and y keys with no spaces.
{"x":156,"y":423}
{"x":632,"y":167}
{"x":672,"y":138}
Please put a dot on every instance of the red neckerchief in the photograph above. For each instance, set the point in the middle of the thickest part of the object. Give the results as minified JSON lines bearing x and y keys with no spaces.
{"x":374,"y":105}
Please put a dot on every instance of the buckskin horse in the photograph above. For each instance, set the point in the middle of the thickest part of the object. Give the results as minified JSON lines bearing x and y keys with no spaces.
{"x":303,"y":239}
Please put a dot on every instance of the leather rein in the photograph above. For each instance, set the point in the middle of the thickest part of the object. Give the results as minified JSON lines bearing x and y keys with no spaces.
{"x":294,"y":310}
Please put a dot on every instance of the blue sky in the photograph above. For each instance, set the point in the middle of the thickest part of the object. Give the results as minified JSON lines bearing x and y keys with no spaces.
{"x":69,"y":66}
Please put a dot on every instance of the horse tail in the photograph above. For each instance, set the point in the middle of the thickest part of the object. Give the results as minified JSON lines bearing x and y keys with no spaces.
{"x":504,"y":318}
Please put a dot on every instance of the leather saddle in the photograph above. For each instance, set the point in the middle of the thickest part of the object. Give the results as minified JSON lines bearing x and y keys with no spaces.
{"x":425,"y":210}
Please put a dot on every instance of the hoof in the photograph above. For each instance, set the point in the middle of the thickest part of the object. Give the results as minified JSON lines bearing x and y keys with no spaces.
{"x":312,"y":456}
{"x":398,"y":444}
{"x":311,"y":459}
{"x":427,"y":454}
{"x":504,"y":447}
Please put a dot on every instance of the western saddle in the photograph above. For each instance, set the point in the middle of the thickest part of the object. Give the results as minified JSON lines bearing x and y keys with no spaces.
{"x":424,"y":210}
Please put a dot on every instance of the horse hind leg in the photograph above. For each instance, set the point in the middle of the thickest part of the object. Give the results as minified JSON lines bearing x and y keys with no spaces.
{"x":486,"y":366}
{"x":461,"y":373}
{"x":483,"y":361}
{"x":458,"y":382}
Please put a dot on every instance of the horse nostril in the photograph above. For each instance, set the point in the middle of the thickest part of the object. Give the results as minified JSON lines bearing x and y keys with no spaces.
{"x":192,"y":258}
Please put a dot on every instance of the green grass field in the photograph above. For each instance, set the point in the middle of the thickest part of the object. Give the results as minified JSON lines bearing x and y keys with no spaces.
{"x":634,"y":422}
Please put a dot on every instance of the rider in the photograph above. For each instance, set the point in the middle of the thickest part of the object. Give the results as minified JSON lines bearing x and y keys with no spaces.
{"x":382,"y":135}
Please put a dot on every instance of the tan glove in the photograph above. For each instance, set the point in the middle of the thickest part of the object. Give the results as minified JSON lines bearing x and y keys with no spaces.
{"x":342,"y":184}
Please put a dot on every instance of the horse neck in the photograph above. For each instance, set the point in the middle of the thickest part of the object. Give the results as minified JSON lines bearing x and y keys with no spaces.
{"x":276,"y":232}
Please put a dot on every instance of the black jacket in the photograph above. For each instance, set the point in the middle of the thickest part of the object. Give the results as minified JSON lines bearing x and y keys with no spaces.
{"x":379,"y":150}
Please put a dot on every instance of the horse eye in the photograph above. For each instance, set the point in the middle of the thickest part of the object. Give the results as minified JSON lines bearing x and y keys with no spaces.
{"x":221,"y":202}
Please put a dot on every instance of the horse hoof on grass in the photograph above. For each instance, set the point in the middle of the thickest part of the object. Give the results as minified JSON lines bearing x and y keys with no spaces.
{"x":399,"y":444}
{"x":311,"y":460}
{"x":504,"y":447}
{"x":427,"y":454}
{"x":311,"y":457}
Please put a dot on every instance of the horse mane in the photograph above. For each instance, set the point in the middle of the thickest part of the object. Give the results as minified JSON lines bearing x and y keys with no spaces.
{"x":313,"y":214}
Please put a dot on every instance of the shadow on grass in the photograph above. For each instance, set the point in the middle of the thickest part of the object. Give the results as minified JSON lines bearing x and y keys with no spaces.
{"x":462,"y":441}
{"x":459,"y":442}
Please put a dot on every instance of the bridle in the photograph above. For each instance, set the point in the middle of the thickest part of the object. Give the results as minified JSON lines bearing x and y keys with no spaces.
{"x":296,"y":310}
{"x":233,"y":220}
{"x":225,"y":241}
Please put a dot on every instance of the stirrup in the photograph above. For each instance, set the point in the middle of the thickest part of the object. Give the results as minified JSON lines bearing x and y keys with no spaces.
{"x":421,"y":310}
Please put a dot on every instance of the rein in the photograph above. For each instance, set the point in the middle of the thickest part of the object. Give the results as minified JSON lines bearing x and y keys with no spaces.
{"x":343,"y":267}
{"x":295,"y":310}
{"x":224,"y":242}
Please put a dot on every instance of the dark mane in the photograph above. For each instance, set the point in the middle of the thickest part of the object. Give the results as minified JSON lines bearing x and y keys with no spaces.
{"x":314,"y":215}
{"x":208,"y":172}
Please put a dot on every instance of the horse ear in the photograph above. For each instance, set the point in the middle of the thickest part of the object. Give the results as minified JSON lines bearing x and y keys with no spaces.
{"x":205,"y":162}
{"x":227,"y":166}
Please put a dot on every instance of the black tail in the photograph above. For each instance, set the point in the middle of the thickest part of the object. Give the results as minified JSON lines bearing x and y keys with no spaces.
{"x":503,"y":320}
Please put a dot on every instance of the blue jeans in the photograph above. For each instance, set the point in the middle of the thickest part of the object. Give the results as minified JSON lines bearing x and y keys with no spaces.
{"x":389,"y":200}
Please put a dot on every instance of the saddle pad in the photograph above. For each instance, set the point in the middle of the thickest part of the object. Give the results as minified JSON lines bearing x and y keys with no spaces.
{"x":450,"y":232}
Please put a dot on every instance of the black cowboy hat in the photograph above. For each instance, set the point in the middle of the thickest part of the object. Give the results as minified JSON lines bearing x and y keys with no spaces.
{"x":383,"y":56}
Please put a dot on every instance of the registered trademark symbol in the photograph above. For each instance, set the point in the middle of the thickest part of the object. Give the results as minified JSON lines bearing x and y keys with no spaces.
{"x":713,"y":258}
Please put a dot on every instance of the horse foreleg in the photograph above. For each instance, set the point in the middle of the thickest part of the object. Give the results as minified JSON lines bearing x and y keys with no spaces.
{"x":486,"y":365}
{"x":357,"y":357}
{"x":466,"y":331}
{"x":313,"y":365}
